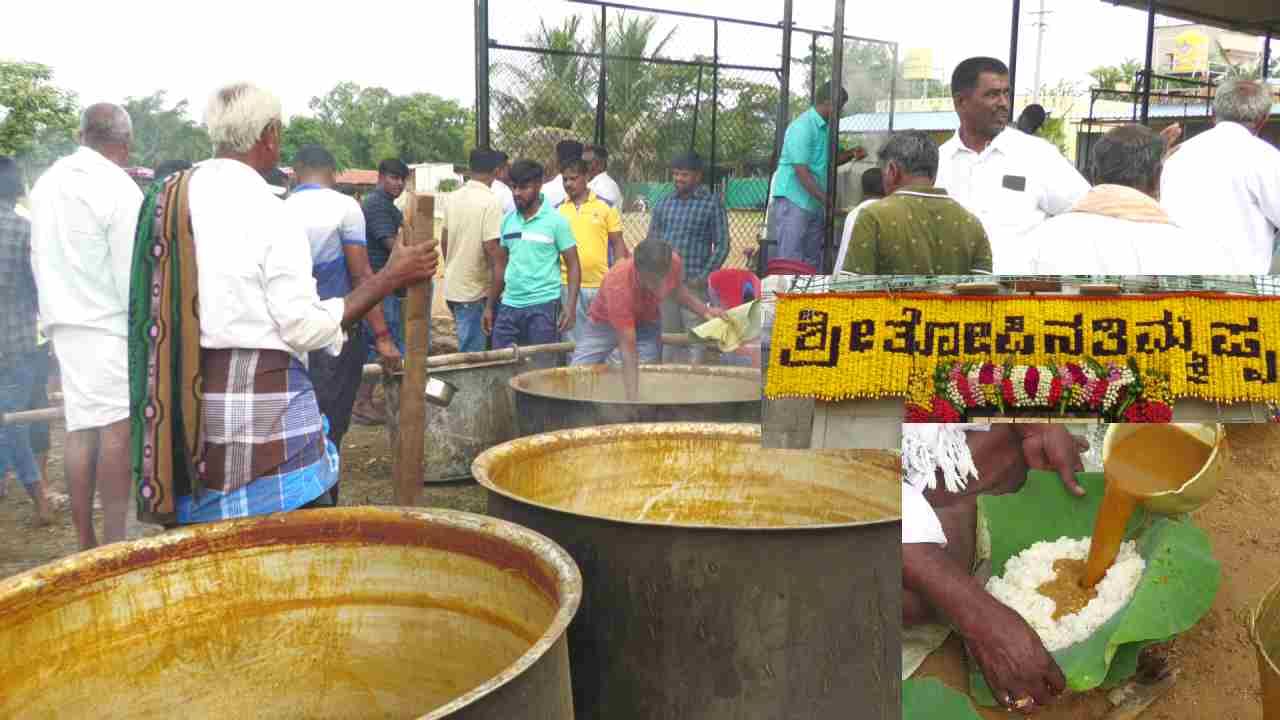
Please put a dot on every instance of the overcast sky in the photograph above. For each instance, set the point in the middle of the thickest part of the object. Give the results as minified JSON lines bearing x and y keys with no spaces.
{"x":107,"y":51}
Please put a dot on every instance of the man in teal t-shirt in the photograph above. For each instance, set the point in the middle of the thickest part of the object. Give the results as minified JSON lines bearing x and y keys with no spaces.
{"x":524,"y":297}
{"x":798,"y":212}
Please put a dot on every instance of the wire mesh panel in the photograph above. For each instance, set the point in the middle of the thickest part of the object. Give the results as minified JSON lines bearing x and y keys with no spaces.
{"x":649,"y":86}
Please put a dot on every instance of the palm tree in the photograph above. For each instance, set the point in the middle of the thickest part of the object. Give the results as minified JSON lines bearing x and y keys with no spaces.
{"x":1110,"y":77}
{"x":551,"y":92}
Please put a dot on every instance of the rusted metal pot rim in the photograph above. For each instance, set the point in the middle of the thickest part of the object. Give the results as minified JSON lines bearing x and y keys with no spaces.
{"x":521,"y":383}
{"x":484,"y":466}
{"x":489,"y":539}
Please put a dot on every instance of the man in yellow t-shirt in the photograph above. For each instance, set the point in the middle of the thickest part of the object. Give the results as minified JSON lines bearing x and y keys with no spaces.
{"x":596,"y":227}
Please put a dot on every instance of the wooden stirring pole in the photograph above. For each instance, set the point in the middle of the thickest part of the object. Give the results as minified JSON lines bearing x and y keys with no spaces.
{"x":409,"y":431}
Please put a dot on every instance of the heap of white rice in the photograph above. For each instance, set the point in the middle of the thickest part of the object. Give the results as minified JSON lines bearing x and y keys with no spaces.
{"x":1033,"y":567}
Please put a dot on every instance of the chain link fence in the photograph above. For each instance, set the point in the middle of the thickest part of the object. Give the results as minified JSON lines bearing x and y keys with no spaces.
{"x":651,"y":85}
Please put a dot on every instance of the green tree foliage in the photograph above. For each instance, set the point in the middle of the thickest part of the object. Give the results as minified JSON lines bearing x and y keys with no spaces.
{"x":163,"y":133}
{"x":304,"y":130}
{"x":38,"y":119}
{"x":1110,"y":77}
{"x":362,"y":126}
{"x":429,"y":128}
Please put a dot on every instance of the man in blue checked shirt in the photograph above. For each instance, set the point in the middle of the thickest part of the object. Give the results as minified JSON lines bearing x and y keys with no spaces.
{"x":694,"y":222}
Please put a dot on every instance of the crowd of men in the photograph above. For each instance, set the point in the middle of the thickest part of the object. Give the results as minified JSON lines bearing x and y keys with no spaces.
{"x":211,"y":332}
{"x":996,"y":199}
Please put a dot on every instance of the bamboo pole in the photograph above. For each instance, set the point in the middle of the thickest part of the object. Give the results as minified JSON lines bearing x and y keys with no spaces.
{"x":410,"y":429}
{"x":373,"y":370}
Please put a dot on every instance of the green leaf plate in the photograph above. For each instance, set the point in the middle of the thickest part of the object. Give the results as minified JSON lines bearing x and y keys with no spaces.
{"x":1176,"y":590}
{"x":929,"y":699}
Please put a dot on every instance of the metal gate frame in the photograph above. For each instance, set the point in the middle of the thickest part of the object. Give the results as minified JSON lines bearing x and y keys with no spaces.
{"x":484,"y":43}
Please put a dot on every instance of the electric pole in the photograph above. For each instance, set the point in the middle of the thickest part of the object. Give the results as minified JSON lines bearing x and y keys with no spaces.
{"x":1040,"y":28}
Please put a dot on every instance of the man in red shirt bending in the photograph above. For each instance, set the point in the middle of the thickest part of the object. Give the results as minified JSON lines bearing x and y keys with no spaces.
{"x":626,"y":314}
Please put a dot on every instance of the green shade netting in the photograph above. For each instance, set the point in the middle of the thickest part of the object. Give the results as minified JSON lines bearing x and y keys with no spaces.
{"x":1176,"y":590}
{"x":929,"y":699}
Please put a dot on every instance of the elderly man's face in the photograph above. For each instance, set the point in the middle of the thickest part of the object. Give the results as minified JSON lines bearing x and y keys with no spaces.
{"x":686,"y":180}
{"x":271,"y":141}
{"x":985,"y":110}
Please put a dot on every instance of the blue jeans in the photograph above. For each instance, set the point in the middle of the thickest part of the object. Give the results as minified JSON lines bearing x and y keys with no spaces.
{"x":533,"y":325}
{"x":796,"y":232}
{"x":467,"y":318}
{"x":599,"y":340}
{"x":586,"y":296}
{"x":391,"y":313}
{"x":16,"y":377}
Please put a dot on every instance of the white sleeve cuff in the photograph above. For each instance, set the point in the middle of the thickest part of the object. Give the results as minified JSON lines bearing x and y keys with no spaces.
{"x":920,"y":523}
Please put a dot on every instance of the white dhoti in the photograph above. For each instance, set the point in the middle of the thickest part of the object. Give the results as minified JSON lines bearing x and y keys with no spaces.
{"x":95,"y":376}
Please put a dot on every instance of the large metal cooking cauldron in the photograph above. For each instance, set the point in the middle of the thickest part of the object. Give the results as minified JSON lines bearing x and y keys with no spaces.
{"x":343,"y":613}
{"x":720,"y":580}
{"x":591,"y":395}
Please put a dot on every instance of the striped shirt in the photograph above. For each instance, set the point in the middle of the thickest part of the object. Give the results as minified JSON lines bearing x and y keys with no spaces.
{"x":697,"y":227}
{"x":332,"y":221}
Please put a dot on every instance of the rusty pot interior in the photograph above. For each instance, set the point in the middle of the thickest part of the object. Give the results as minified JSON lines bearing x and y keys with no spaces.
{"x":353,"y":613}
{"x":659,"y":384}
{"x":693,"y":474}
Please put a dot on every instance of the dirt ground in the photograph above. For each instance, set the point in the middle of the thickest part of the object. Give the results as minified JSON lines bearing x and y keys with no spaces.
{"x":366,"y":480}
{"x":1218,"y":672}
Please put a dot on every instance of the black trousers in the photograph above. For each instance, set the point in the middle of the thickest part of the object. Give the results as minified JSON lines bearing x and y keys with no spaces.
{"x":336,"y":381}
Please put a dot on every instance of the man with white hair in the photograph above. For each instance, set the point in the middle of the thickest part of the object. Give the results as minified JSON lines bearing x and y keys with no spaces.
{"x":224,"y":311}
{"x":1119,"y":228}
{"x":84,"y":210}
{"x":1224,"y":184}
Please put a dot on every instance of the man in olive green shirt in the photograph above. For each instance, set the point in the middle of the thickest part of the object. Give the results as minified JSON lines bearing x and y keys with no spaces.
{"x":917,"y":229}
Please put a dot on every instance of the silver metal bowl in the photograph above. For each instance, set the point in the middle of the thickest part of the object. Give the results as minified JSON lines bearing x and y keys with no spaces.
{"x":439,"y":392}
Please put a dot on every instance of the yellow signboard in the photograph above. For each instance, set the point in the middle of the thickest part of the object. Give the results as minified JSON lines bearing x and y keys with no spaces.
{"x":918,"y":64}
{"x":1190,"y":52}
{"x":1212,"y":346}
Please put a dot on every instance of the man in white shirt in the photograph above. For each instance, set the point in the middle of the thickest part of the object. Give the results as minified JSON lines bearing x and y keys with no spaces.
{"x":84,"y":210}
{"x":872,"y":190}
{"x":1224,"y":184}
{"x":335,"y":230}
{"x":259,"y":442}
{"x":553,"y":192}
{"x":1119,"y":228}
{"x":501,"y":185}
{"x":604,"y":186}
{"x":939,"y":537}
{"x":1012,"y":181}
